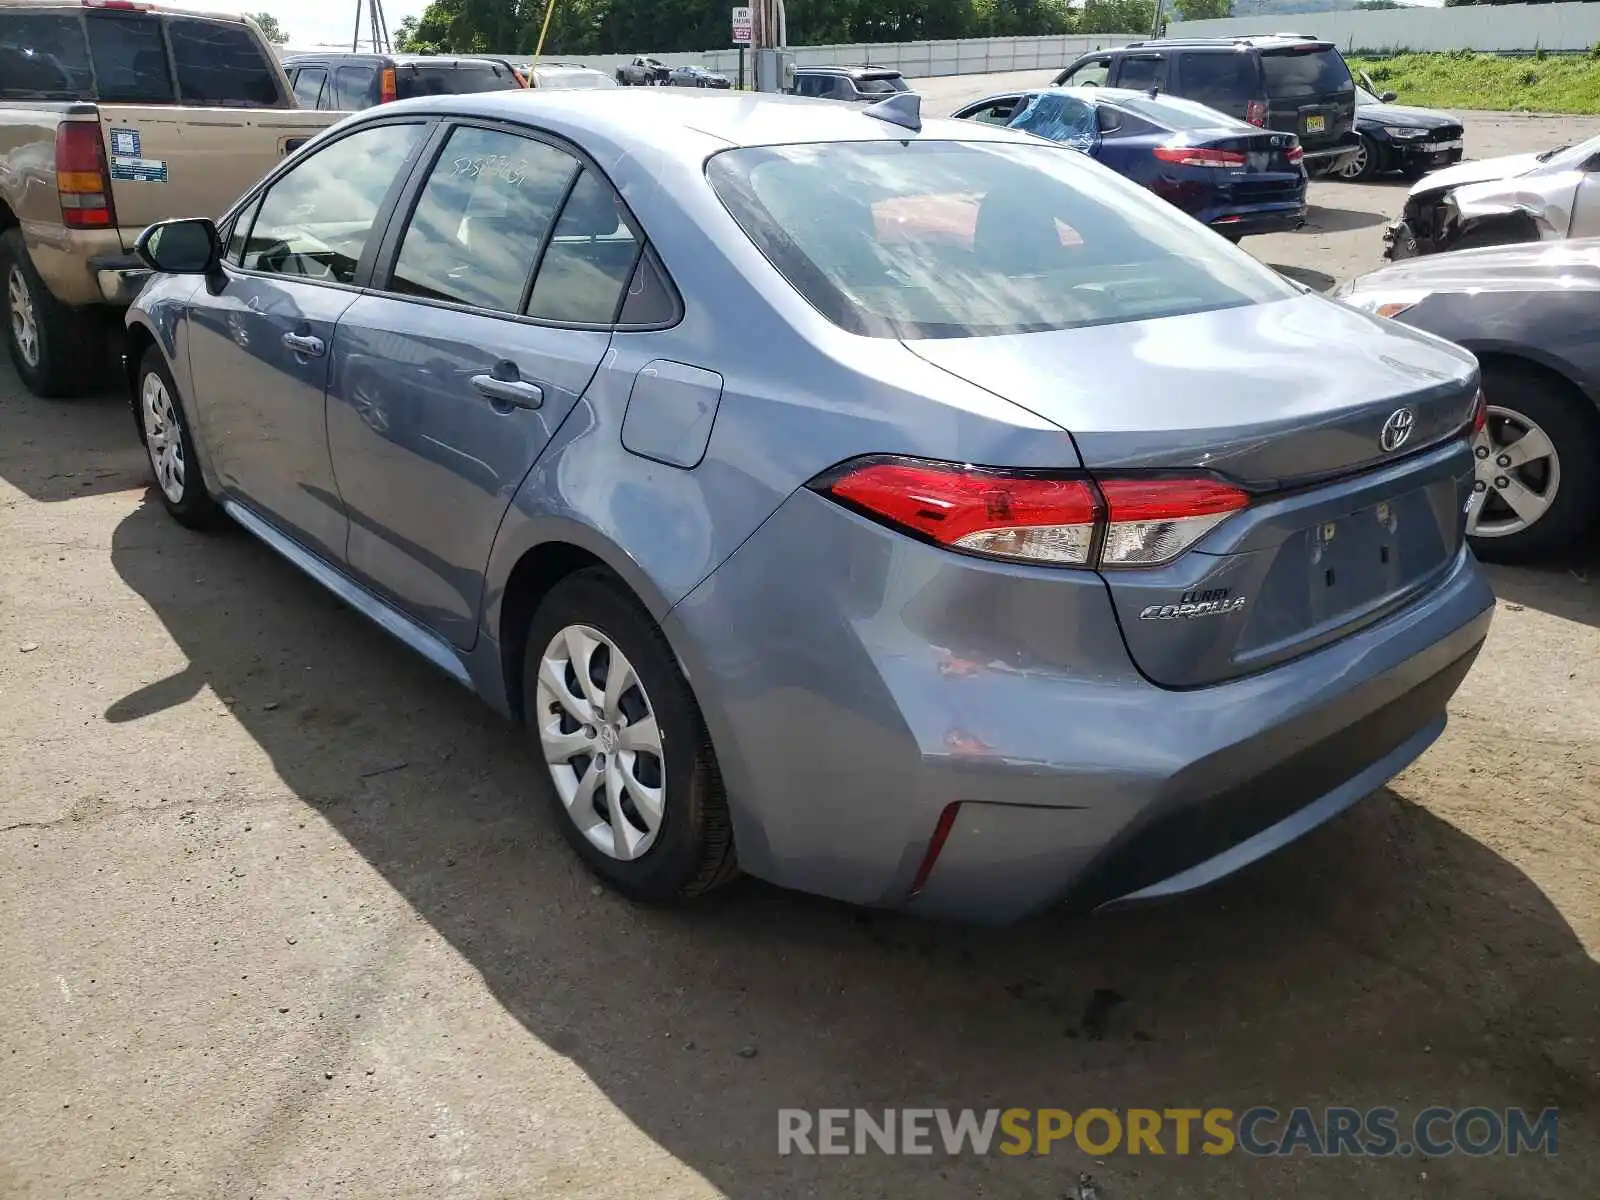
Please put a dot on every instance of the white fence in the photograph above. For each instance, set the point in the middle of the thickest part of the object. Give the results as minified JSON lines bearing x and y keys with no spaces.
{"x":1504,"y":28}
{"x":918,"y":60}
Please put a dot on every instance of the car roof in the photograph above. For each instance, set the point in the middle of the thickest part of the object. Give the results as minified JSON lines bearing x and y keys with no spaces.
{"x":860,"y":72}
{"x":400,"y":60}
{"x":1241,"y":41}
{"x":634,"y":120}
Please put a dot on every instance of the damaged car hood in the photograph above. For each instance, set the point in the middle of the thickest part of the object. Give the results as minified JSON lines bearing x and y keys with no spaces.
{"x":1480,"y":171}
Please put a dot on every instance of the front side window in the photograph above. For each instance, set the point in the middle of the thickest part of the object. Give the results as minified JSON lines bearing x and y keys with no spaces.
{"x":1090,"y":74}
{"x":1296,"y":74}
{"x":317,"y":220}
{"x":221,"y":64}
{"x":130,"y":58}
{"x":932,"y":239}
{"x":308,"y":84}
{"x":43,"y":56}
{"x":482,"y":216}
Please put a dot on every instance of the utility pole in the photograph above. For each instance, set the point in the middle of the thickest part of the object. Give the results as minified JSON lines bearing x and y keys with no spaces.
{"x":377,"y":27}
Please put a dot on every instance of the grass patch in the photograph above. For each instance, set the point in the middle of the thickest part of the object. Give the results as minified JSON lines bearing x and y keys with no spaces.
{"x":1569,"y":83}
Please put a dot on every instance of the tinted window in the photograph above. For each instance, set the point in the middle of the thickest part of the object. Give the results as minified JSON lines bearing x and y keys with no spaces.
{"x":43,"y":56}
{"x":308,"y":85}
{"x":352,"y":88}
{"x":1057,"y":117}
{"x":959,"y":239}
{"x":221,"y":64}
{"x":590,"y":258}
{"x":1220,"y":80}
{"x":881,"y":86}
{"x":130,"y":58}
{"x":480,"y":220}
{"x":316,"y":220}
{"x":1140,"y":74}
{"x":1301,"y":73}
{"x":453,"y":80}
{"x":1093,"y":72}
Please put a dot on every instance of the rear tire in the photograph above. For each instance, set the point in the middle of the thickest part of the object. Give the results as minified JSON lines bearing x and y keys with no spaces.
{"x":627,"y":762}
{"x":1567,"y":481}
{"x":57,"y":350}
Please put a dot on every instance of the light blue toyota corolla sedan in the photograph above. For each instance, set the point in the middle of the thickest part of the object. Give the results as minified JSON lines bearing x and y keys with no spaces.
{"x":914,"y":513}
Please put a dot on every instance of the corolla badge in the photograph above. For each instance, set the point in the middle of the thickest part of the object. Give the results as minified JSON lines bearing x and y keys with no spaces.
{"x":1197,"y":602}
{"x":1397,"y":429}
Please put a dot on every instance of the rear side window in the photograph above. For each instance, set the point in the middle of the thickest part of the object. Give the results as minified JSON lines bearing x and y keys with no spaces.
{"x":352,"y":88}
{"x":1221,"y":80}
{"x":130,"y":59}
{"x":590,"y":259}
{"x":934,"y":239}
{"x":481,"y":218}
{"x":1141,"y":74}
{"x":308,"y":86}
{"x":220,"y":64}
{"x":43,"y":56}
{"x":1292,"y":74}
{"x":459,"y":80}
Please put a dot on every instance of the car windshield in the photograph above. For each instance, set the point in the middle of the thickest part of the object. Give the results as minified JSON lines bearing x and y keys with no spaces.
{"x":1365,"y":97}
{"x":1302,"y":72}
{"x":881,"y":85}
{"x":574,"y":80}
{"x":458,"y":80}
{"x":934,"y":239}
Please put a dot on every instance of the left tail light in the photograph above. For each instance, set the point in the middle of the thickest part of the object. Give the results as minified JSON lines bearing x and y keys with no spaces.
{"x":1199,"y":156}
{"x":82,"y":181}
{"x":1033,"y":517}
{"x":387,"y":89}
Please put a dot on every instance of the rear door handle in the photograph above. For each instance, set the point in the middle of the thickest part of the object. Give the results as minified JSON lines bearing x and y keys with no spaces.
{"x":304,"y":343}
{"x":512,"y":393}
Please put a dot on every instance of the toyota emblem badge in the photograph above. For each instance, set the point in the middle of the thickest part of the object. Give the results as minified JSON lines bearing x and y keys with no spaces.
{"x":1397,"y":429}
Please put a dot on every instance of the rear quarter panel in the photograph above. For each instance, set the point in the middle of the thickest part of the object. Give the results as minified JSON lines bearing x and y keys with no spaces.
{"x":27,"y":158}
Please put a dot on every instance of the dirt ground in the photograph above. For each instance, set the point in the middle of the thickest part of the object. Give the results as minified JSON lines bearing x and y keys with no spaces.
{"x":278,"y":919}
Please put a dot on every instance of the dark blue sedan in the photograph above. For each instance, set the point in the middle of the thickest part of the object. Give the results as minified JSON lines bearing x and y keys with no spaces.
{"x":1234,"y":177}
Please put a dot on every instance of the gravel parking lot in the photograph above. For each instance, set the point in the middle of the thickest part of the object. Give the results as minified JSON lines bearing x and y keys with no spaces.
{"x":277,"y":918}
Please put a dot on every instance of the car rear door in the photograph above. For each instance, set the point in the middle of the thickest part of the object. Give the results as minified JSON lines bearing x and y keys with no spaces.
{"x":490,"y":312}
{"x":1309,"y":93}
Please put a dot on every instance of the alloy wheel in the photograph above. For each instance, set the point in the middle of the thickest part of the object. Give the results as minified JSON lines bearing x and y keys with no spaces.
{"x":1516,"y":474}
{"x":1356,"y":166}
{"x":162,"y":436}
{"x":24,"y":322}
{"x":598,"y":732}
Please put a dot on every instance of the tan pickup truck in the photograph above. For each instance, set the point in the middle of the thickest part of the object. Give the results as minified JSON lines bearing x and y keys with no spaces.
{"x":115,"y":114}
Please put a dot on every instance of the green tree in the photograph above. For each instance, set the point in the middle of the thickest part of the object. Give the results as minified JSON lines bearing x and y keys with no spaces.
{"x":1202,"y":10}
{"x":270,"y":27}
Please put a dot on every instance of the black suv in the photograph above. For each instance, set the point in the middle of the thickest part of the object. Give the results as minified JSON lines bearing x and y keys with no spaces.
{"x":848,"y":83}
{"x":346,"y":82}
{"x":1285,"y":82}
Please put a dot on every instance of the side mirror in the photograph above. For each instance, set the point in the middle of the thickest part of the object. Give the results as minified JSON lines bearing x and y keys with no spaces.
{"x":187,"y":246}
{"x":1389,"y":97}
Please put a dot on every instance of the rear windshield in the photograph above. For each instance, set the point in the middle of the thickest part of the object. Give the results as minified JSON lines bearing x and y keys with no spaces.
{"x":1294,"y":73}
{"x":573,"y":80}
{"x":453,"y":80}
{"x":121,"y":57}
{"x":930,"y":239}
{"x":1174,"y":113}
{"x":880,"y":85}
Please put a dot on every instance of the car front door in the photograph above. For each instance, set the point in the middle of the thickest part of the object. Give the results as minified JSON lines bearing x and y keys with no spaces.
{"x":260,"y":340}
{"x":491,"y":309}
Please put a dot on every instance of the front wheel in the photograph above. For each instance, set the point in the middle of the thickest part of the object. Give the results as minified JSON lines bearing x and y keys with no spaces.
{"x":165,"y":431}
{"x":1536,"y":482}
{"x":1361,"y":165}
{"x":629,"y":765}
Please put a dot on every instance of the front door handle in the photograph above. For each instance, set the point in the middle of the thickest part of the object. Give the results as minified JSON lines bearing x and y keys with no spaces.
{"x":304,"y":343}
{"x":509,"y":393}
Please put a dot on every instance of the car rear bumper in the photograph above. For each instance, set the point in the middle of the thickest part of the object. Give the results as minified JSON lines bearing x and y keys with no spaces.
{"x":1242,"y":222}
{"x":859,"y":686}
{"x":1322,"y":159}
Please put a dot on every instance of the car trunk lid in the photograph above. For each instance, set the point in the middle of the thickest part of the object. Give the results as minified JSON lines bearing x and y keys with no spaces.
{"x":1341,"y":529}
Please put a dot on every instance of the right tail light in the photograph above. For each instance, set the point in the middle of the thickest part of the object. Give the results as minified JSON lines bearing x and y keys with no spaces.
{"x":388,"y":91}
{"x":1036,"y":517}
{"x":81,"y":176}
